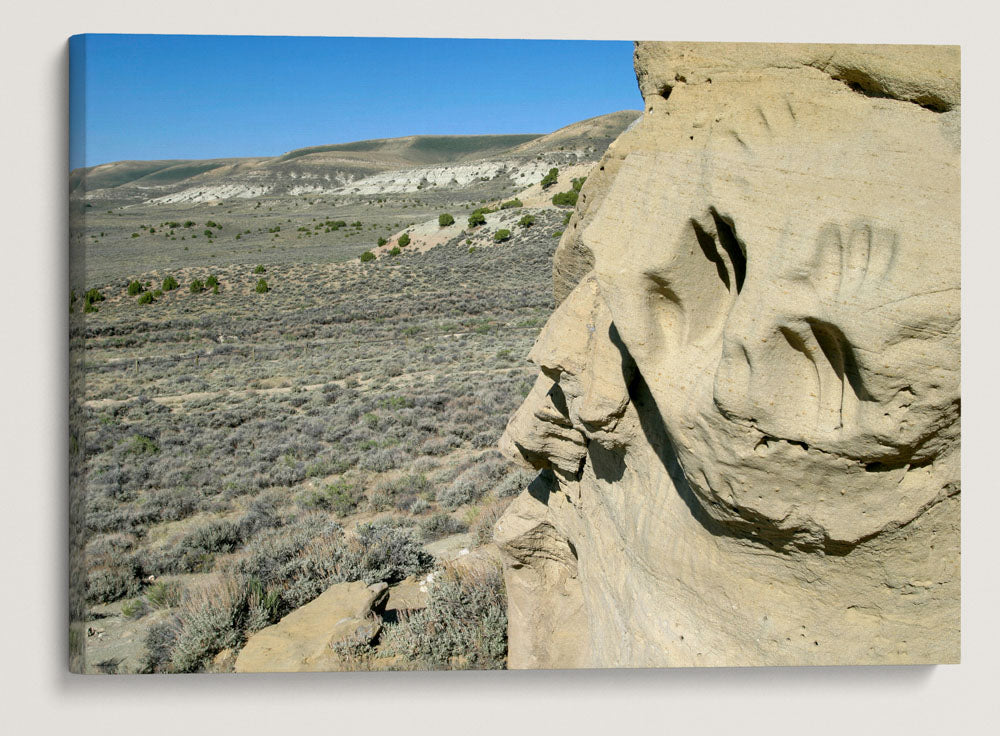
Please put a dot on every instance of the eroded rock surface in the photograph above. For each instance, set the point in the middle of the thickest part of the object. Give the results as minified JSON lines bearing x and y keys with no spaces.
{"x":747,"y":415}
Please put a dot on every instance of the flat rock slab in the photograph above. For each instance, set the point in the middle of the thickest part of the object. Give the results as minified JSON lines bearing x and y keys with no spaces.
{"x":301,"y":641}
{"x":406,"y":596}
{"x":450,"y":547}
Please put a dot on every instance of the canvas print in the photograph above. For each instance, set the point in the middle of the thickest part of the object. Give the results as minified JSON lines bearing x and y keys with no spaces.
{"x":409,"y":354}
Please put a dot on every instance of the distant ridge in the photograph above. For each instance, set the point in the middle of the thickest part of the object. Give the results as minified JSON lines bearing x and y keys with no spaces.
{"x":342,"y":162}
{"x":424,"y":149}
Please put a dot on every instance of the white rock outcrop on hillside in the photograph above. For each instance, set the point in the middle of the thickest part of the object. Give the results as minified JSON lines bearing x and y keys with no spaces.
{"x":213,"y":192}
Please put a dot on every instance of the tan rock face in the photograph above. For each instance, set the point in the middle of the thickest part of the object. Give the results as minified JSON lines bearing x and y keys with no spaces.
{"x":749,"y":398}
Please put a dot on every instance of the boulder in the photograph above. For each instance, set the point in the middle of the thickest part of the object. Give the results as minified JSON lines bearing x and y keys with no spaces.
{"x":303,"y":640}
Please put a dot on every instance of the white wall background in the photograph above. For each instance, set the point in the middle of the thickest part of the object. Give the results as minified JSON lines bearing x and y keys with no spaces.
{"x":39,"y":696}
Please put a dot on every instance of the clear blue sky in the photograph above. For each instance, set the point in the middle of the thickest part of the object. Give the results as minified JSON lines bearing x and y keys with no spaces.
{"x":160,"y":97}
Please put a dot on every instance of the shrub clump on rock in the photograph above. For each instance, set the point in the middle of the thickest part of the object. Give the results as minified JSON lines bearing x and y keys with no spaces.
{"x":279,"y":572}
{"x":464,"y":625}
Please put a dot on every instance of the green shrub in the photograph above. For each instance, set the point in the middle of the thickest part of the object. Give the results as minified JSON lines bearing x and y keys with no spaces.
{"x":164,"y":594}
{"x":212,"y":280}
{"x":578,"y":183}
{"x":134,"y":288}
{"x":140,"y":444}
{"x":510,"y":204}
{"x":91,"y":297}
{"x":260,"y":269}
{"x":382,"y":241}
{"x":367,"y":256}
{"x":197,"y":286}
{"x":526,"y":221}
{"x":157,"y":293}
{"x":135,"y":608}
{"x":395,"y":251}
{"x":170,"y":283}
{"x":477,"y":218}
{"x":404,"y":240}
{"x":135,"y":235}
{"x":208,"y":233}
{"x":445,"y":219}
{"x":557,"y":234}
{"x":566,"y":199}
{"x":341,"y":497}
{"x":551,"y":178}
{"x":566,"y":218}
{"x":261,"y":287}
{"x":501,"y":235}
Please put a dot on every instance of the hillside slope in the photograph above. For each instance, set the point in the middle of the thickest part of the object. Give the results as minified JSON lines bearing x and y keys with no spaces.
{"x":404,"y":164}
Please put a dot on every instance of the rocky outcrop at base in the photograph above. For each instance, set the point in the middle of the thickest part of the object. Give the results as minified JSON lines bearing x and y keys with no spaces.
{"x":305,"y":639}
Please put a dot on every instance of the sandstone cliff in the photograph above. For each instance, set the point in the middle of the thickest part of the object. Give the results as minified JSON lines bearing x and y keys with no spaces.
{"x":747,"y":415}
